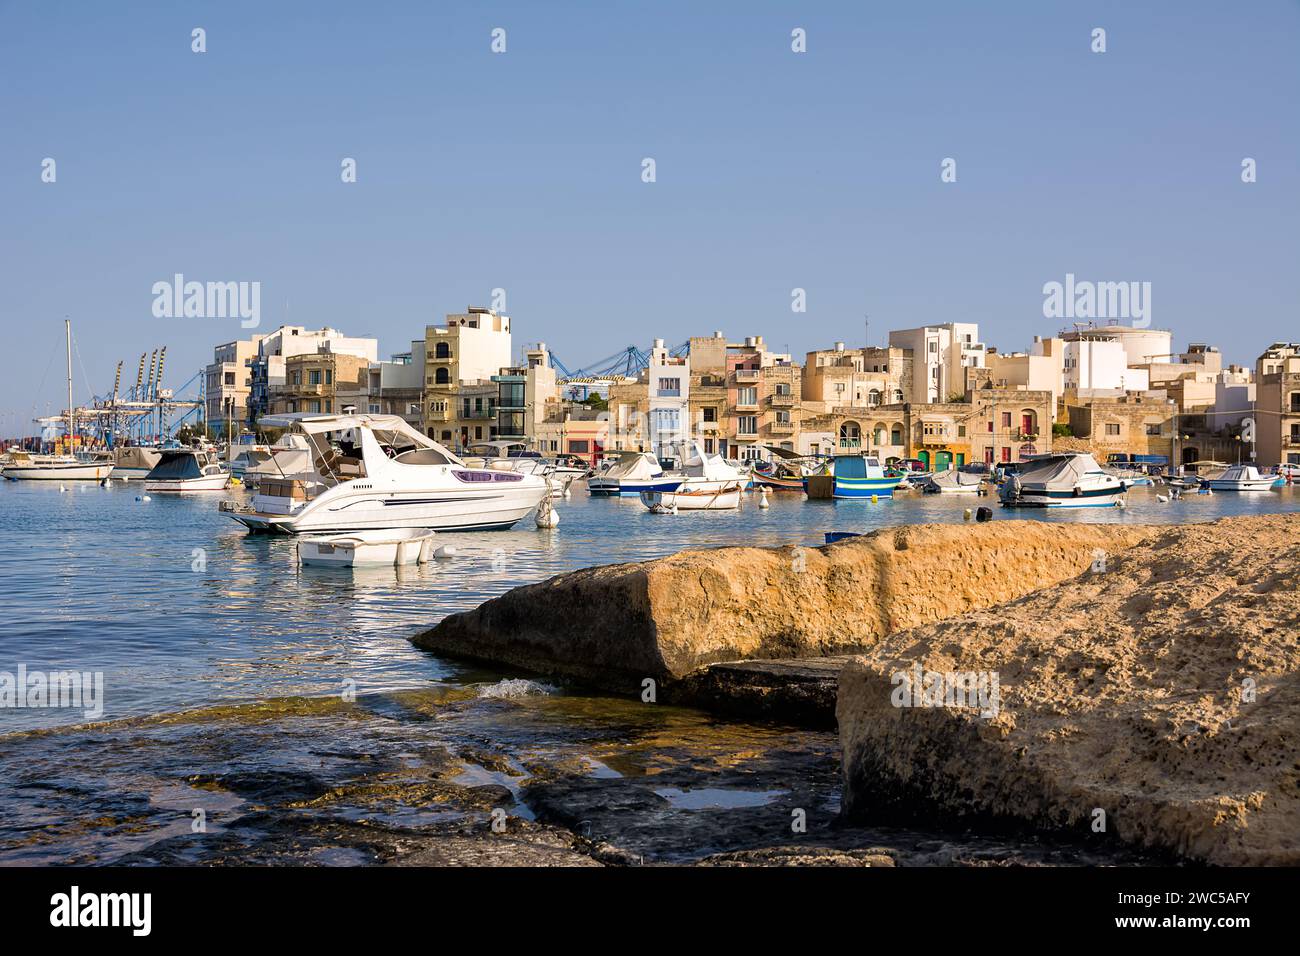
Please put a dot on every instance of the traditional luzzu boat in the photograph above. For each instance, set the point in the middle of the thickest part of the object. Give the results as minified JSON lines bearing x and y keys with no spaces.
{"x":853,"y":476}
{"x":785,"y":472}
{"x":1068,"y":480}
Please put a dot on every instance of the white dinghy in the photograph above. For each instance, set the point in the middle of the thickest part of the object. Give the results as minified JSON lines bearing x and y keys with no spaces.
{"x":356,"y":549}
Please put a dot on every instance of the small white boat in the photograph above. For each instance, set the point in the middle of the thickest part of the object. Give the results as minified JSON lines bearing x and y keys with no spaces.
{"x":186,"y":469}
{"x":27,"y":467}
{"x":1243,"y":478}
{"x":380,"y":547}
{"x":705,"y":482}
{"x":953,"y":482}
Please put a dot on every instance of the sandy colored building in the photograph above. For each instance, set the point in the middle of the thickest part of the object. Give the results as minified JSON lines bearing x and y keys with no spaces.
{"x":1277,"y":404}
{"x":228,"y":384}
{"x":463,"y":354}
{"x":314,"y":380}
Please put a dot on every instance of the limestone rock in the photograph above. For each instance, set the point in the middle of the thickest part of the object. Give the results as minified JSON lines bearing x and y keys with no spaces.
{"x":1164,"y":691}
{"x":617,"y":625}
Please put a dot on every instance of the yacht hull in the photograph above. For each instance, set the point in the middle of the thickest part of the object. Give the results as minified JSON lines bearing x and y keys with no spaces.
{"x":71,"y":472}
{"x":615,"y":487}
{"x":1091,"y":498}
{"x":368,"y":510}
{"x":206,"y":483}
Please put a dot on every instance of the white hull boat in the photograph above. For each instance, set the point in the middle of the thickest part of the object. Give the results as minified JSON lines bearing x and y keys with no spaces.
{"x":690,"y":496}
{"x":1070,"y":480}
{"x":26,"y":467}
{"x":381,"y":473}
{"x":186,"y":469}
{"x":953,"y":482}
{"x":1243,"y":478}
{"x":633,"y":473}
{"x":358,"y":549}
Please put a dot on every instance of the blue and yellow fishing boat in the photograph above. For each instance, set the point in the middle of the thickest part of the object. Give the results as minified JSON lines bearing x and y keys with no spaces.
{"x":853,"y":476}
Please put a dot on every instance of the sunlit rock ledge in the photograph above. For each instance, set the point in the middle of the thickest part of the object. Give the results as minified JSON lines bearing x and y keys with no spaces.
{"x":1156,"y":703}
{"x":618,"y":626}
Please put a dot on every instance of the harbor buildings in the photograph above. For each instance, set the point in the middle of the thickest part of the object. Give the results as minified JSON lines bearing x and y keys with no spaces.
{"x":313,"y":381}
{"x":460,"y":359}
{"x":228,"y":384}
{"x":268,"y":368}
{"x":668,"y":389}
{"x":940,"y":356}
{"x":526,"y":396}
{"x":1277,"y":408}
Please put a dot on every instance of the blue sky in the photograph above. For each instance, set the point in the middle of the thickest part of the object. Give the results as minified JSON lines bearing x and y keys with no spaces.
{"x":522,"y":170}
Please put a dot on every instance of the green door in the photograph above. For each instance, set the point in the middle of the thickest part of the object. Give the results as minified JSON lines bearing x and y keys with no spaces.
{"x":925,"y":458}
{"x":961,"y":459}
{"x":942,"y":460}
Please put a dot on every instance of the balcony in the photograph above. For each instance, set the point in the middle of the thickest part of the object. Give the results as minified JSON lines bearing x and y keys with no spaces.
{"x":781,"y":428}
{"x":745,"y":406}
{"x":304,"y":390}
{"x":936,"y":438}
{"x":780,"y":401}
{"x":478,"y":414}
{"x":708,"y":426}
{"x":850,"y":444}
{"x":747,"y":375}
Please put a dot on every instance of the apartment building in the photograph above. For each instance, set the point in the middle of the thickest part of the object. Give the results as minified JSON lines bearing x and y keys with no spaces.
{"x":228,"y":384}
{"x":313,"y":382}
{"x":1277,"y":404}
{"x":1041,"y":369}
{"x":462,"y":355}
{"x":392,"y":387}
{"x":940,"y":356}
{"x":668,"y":381}
{"x":860,"y":378}
{"x":764,"y":392}
{"x":275,"y":349}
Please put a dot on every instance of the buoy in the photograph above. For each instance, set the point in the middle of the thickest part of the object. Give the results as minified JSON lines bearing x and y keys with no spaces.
{"x":966,"y":515}
{"x":547,"y":517}
{"x":1121,"y":503}
{"x":446,"y":551}
{"x":984,"y":514}
{"x":61,"y":488}
{"x":762,"y":498}
{"x":874,"y":499}
{"x":1162,"y":498}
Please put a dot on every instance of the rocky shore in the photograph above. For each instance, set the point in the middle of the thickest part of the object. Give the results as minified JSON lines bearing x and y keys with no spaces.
{"x":1144,"y":678}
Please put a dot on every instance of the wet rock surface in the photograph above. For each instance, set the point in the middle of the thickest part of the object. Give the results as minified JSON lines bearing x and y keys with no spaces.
{"x":448,"y":777}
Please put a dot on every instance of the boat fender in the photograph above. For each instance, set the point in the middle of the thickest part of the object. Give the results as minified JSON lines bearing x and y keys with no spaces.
{"x":1077,"y":492}
{"x":966,"y":515}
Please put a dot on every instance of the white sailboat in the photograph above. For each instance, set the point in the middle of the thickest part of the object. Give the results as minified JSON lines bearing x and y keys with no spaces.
{"x":26,"y":467}
{"x":376,"y":471}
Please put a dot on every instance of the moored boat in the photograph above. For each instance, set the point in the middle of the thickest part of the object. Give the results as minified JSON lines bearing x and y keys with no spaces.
{"x":1067,"y":480}
{"x":27,"y":467}
{"x":707,"y":482}
{"x":853,"y":476}
{"x":1243,"y":478}
{"x":377,"y":472}
{"x":133,"y":462}
{"x":632,"y":473}
{"x":953,"y":482}
{"x":186,"y":469}
{"x":389,"y":546}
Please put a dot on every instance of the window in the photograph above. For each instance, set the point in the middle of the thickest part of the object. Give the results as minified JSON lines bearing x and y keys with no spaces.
{"x":442,"y":350}
{"x":442,"y":377}
{"x":670,"y":387}
{"x":708,"y":446}
{"x":1153,"y":429}
{"x":230,"y":379}
{"x":1112,"y":428}
{"x":873,"y":397}
{"x":295,"y":378}
{"x":747,"y":396}
{"x":747,"y":424}
{"x":783,"y":388}
{"x":934,"y":347}
{"x":329,"y":376}
{"x":783,"y":418}
{"x":896,"y":435}
{"x":1006,"y":454}
{"x":313,"y":376}
{"x":578,"y":447}
{"x":329,"y":407}
{"x":710,"y":414}
{"x":1006,"y":419}
{"x":961,"y":431}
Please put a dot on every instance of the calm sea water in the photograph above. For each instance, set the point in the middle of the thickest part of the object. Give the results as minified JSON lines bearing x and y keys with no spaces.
{"x":180,"y":608}
{"x":223,"y":663}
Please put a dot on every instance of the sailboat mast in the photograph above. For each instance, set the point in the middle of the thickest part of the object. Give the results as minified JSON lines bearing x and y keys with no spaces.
{"x":72,"y":422}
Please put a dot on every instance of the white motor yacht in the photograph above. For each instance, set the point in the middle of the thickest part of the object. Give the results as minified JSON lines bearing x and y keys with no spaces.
{"x":376,"y":471}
